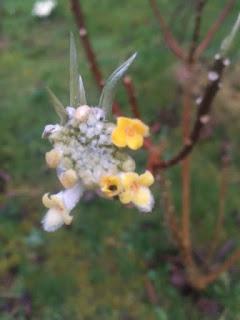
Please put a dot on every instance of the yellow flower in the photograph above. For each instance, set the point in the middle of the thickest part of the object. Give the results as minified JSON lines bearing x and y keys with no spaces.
{"x":129,"y":132}
{"x":136,"y":190}
{"x":110,"y":185}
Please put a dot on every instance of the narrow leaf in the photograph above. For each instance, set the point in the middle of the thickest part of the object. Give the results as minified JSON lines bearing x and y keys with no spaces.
{"x":74,"y":78}
{"x":228,"y":41}
{"x":83,"y":99}
{"x":108,"y":92}
{"x":58,"y":106}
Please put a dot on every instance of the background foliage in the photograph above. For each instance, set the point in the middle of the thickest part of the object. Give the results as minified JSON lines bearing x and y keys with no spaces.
{"x":100,"y":267}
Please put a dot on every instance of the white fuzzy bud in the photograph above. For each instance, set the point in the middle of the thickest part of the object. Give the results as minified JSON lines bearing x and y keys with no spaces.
{"x":53,"y":158}
{"x":68,"y":178}
{"x":50,"y":129}
{"x":82,"y":113}
{"x":70,"y":112}
{"x":129,"y":165}
{"x":53,"y":220}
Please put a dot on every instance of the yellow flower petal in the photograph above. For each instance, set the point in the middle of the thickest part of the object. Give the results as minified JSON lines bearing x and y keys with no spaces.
{"x":129,"y":132}
{"x":143,"y":199}
{"x":125,"y":197}
{"x":141,"y":128}
{"x":119,"y":138}
{"x":129,"y":179}
{"x":135,"y":142}
{"x":123,"y":122}
{"x":146,"y":179}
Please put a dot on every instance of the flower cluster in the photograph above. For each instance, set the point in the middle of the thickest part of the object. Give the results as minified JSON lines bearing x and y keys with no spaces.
{"x":88,"y":154}
{"x":131,"y":188}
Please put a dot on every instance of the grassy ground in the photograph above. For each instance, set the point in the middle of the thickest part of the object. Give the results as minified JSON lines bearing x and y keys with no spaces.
{"x":96,"y":268}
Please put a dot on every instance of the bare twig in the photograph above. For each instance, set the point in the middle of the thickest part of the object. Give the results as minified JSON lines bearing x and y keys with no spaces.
{"x":222,"y":199}
{"x":91,"y":57}
{"x":185,"y":217}
{"x":202,"y":116}
{"x":170,"y":40}
{"x":151,"y":291}
{"x":79,"y":18}
{"x":169,"y":212}
{"x":128,"y":83}
{"x":214,"y":28}
{"x":214,"y":274}
{"x":196,"y":32}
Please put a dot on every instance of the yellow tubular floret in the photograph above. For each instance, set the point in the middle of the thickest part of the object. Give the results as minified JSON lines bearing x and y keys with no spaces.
{"x":110,"y":185}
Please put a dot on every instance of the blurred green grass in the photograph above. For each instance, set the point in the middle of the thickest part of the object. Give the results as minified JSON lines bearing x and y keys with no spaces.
{"x":96,"y":268}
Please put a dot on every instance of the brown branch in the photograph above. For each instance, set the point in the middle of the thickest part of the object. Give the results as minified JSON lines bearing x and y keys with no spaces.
{"x":222,"y":200}
{"x":185,"y":217}
{"x":214,"y":274}
{"x":196,"y":31}
{"x":90,"y":54}
{"x":91,"y":57}
{"x":170,"y":40}
{"x":169,"y":211}
{"x":202,"y":116}
{"x":151,"y":291}
{"x":214,"y":28}
{"x":128,"y":83}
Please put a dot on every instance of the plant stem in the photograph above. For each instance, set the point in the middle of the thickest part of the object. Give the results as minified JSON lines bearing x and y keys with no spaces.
{"x":214,"y":28}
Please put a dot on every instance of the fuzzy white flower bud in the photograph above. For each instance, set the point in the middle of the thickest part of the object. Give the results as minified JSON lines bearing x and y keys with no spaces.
{"x":128,"y":165}
{"x":70,"y":112}
{"x":53,"y":220}
{"x":68,"y":178}
{"x":53,"y":158}
{"x":49,"y":129}
{"x":82,"y":113}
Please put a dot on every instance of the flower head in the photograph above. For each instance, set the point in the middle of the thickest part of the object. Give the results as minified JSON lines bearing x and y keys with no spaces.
{"x":129,"y":132}
{"x":110,"y":185}
{"x":86,"y":152}
{"x":136,"y":190}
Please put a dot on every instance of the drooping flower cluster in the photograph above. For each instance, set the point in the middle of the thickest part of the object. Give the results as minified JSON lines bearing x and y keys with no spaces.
{"x":88,"y":152}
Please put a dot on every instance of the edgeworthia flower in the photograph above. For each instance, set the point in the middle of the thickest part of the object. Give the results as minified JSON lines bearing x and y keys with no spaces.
{"x":88,"y":153}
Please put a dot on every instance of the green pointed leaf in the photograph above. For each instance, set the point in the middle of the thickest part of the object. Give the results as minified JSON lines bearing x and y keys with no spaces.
{"x":58,"y":107}
{"x":108,"y":92}
{"x":74,"y":78}
{"x":83,"y":99}
{"x":228,"y":41}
